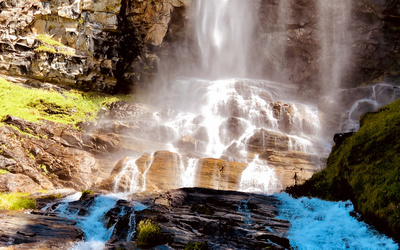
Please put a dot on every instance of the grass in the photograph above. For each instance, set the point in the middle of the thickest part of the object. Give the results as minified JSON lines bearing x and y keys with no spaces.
{"x":149,"y":234}
{"x":2,"y":171}
{"x":365,"y":168}
{"x":16,"y":201}
{"x":36,"y":104}
{"x":51,"y":45}
{"x":48,"y":40}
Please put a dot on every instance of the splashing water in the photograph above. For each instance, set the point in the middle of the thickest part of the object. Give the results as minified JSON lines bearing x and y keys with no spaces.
{"x":318,"y":224}
{"x":95,"y":232}
{"x":259,"y":178}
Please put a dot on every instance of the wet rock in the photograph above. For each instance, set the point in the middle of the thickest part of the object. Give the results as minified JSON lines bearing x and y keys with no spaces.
{"x":187,"y":143}
{"x":266,"y":139}
{"x":37,"y":231}
{"x":239,"y":220}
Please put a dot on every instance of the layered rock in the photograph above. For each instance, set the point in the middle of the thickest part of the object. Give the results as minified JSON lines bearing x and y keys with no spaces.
{"x":99,"y":43}
{"x":37,"y":230}
{"x":220,"y":218}
{"x":50,"y":155}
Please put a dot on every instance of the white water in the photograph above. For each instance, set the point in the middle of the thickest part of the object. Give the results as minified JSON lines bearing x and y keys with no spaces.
{"x":204,"y":110}
{"x":95,"y":232}
{"x":334,"y":19}
{"x":318,"y":224}
{"x":259,"y":178}
{"x":370,"y":99}
{"x":223,"y":27}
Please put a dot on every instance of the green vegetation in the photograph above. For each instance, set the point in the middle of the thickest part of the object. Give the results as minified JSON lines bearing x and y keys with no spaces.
{"x":202,"y":209}
{"x":3,"y":171}
{"x":196,"y":246}
{"x":86,"y":192}
{"x":51,"y":45}
{"x":48,"y":40}
{"x":149,"y":234}
{"x":37,"y":104}
{"x":366,"y":169}
{"x":16,"y":201}
{"x":52,"y":196}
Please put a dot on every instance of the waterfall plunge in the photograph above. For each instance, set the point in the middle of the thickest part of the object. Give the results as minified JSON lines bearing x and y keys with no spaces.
{"x":224,"y":31}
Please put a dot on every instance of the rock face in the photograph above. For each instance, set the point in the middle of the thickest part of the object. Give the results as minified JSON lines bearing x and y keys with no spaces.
{"x":37,"y":230}
{"x":223,"y":219}
{"x":289,"y":33}
{"x":89,"y":45}
{"x":49,"y":155}
{"x":155,"y":167}
{"x":107,"y":46}
{"x":364,"y":168}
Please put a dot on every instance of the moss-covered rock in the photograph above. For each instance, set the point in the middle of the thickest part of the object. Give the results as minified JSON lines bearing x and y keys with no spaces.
{"x":365,"y":168}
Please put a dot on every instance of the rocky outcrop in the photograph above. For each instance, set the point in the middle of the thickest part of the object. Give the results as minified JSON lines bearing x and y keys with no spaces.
{"x":37,"y":230}
{"x":83,"y":44}
{"x":44,"y":156}
{"x":222,"y":219}
{"x":364,"y":168}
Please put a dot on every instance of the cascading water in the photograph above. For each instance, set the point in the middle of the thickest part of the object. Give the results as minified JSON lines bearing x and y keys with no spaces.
{"x":264,"y":127}
{"x":318,"y":224}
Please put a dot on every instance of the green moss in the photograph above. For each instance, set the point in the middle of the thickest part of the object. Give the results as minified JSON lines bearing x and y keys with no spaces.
{"x":196,"y":246}
{"x":366,"y":169}
{"x":3,"y":171}
{"x":36,"y":104}
{"x":16,"y":201}
{"x":202,"y":209}
{"x":52,"y":196}
{"x":43,"y":48}
{"x":149,"y":234}
{"x":48,"y":40}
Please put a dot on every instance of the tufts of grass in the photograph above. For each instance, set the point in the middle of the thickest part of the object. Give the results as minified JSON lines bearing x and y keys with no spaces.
{"x":3,"y":171}
{"x":149,"y":234}
{"x":37,"y":104}
{"x":43,"y":48}
{"x":48,"y":40}
{"x":196,"y":246}
{"x":16,"y":201}
{"x":51,"y":46}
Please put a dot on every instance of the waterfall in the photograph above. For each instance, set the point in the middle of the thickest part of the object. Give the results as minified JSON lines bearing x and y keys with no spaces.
{"x":334,"y":18}
{"x":224,"y":31}
{"x":255,"y":135}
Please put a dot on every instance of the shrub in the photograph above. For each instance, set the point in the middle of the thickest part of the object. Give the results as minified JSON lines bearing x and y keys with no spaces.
{"x":149,"y":234}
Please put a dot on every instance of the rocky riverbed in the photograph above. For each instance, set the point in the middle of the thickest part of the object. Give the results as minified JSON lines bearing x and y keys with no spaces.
{"x":220,"y":219}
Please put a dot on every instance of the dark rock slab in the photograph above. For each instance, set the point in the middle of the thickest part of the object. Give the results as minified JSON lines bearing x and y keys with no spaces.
{"x":223,"y":219}
{"x":37,"y":230}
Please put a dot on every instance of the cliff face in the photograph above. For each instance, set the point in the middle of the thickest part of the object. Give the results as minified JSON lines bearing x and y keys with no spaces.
{"x":365,"y":169}
{"x":290,"y":39}
{"x":115,"y":44}
{"x":85,"y":44}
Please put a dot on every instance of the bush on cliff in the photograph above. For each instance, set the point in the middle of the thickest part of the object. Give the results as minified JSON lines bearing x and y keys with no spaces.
{"x":365,"y":168}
